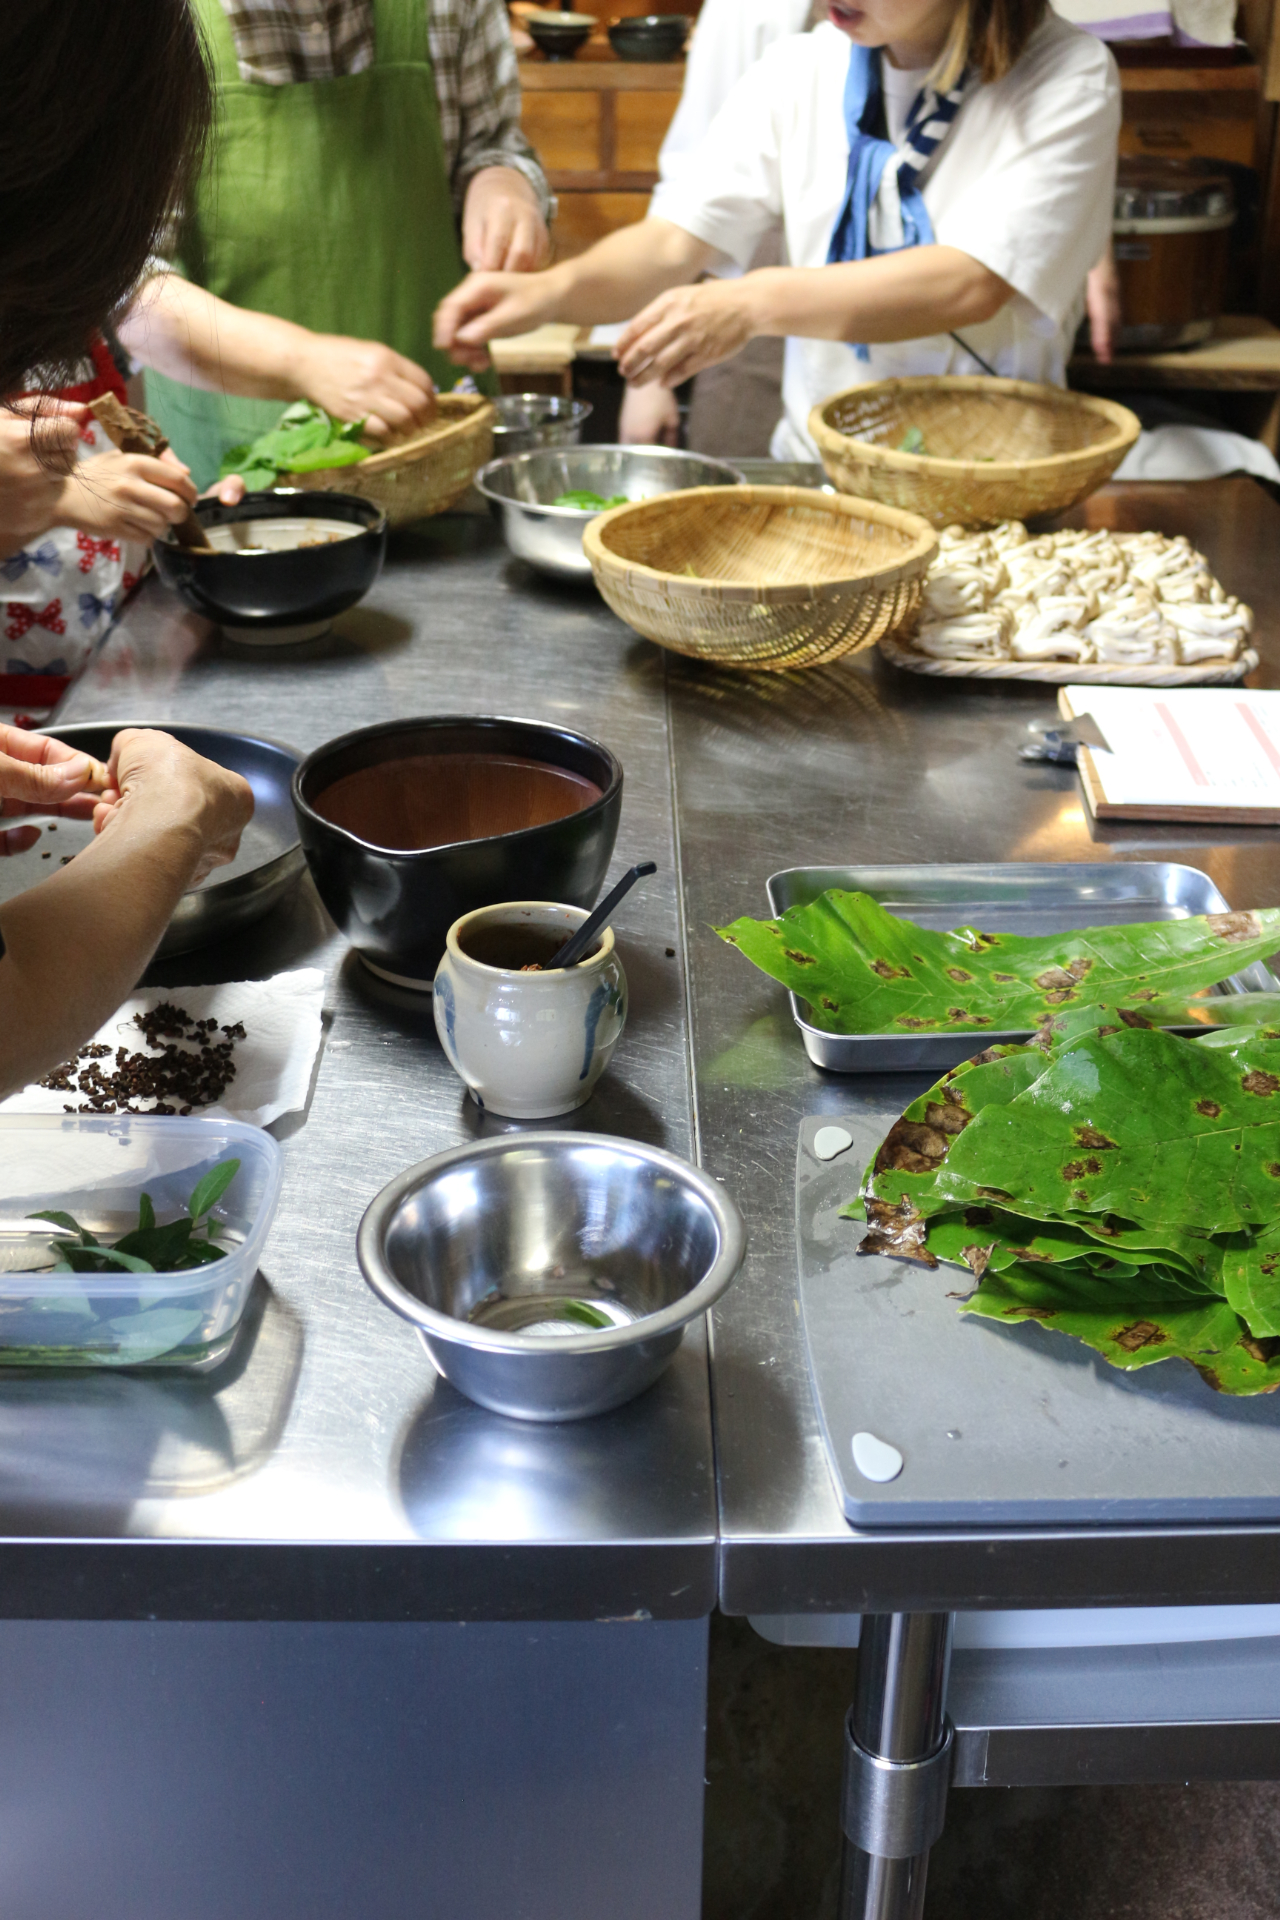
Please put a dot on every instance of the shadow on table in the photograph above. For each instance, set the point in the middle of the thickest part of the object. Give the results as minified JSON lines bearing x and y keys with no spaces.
{"x":78,"y":1448}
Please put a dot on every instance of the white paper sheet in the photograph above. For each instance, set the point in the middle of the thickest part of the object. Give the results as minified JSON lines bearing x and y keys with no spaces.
{"x":281,"y":1019}
{"x":1190,"y":747}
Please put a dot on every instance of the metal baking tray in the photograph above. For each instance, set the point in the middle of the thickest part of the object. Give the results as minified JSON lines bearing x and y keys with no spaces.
{"x":1031,"y":897}
{"x":269,"y":861}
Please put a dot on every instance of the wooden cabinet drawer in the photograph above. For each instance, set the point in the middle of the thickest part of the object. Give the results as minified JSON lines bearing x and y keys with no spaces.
{"x":585,"y":218}
{"x":641,"y":122}
{"x":564,"y":129}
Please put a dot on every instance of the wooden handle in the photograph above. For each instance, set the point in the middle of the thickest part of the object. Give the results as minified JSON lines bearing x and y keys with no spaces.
{"x":134,"y":432}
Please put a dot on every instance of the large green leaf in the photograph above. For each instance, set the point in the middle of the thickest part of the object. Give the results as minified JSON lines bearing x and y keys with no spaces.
{"x":1144,"y":1327}
{"x":1120,"y":1184}
{"x":863,"y":970}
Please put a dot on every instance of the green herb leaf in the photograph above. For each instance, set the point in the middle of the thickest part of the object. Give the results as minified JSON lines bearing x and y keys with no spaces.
{"x":62,"y":1220}
{"x":211,"y":1189}
{"x":334,"y":453}
{"x":585,"y":1315}
{"x":101,"y":1259}
{"x":146,"y":1212}
{"x":912,"y":441}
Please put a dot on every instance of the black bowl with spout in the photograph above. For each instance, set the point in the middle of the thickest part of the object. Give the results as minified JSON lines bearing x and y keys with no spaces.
{"x":408,"y":825}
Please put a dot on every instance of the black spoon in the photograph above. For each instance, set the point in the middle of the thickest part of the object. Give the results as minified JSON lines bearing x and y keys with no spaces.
{"x":576,"y":945}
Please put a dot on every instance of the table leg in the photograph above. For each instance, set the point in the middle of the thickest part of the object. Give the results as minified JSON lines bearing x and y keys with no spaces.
{"x":897,"y":1765}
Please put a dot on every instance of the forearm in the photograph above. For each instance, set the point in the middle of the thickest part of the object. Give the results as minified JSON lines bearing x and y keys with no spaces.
{"x":907,"y":295}
{"x":191,"y":335}
{"x":621,"y":272}
{"x":76,"y":945}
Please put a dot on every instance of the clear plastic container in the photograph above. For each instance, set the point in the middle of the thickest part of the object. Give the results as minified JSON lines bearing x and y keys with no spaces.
{"x":95,"y":1167}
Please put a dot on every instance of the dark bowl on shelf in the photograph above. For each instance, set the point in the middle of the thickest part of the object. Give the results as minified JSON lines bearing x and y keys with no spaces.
{"x":649,"y":36}
{"x":559,"y":35}
{"x":395,"y":903}
{"x":275,"y":596}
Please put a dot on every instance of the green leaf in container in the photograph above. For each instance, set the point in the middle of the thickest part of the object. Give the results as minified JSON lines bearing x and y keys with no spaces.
{"x":211,"y":1189}
{"x":863,"y":970}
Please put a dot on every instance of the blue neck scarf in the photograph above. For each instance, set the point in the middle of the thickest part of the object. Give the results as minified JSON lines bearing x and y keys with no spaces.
{"x":870,"y":153}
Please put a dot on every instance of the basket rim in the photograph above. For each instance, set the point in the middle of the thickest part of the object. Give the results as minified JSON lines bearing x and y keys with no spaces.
{"x":473,"y":412}
{"x":848,"y":506}
{"x":831,"y":441}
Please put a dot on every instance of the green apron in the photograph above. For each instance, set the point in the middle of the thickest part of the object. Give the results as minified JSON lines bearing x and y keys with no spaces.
{"x":326,"y":202}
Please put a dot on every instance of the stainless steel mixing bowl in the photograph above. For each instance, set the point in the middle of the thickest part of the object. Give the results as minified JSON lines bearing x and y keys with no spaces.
{"x":528,"y":420}
{"x":507,"y":1254}
{"x":521,"y":487}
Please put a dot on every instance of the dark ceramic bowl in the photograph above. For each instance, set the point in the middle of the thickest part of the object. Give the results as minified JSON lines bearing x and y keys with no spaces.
{"x":649,"y":36}
{"x":271,"y":597}
{"x":396,"y":904}
{"x":559,"y":35}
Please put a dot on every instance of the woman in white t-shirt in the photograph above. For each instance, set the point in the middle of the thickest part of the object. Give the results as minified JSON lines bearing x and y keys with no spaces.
{"x":942,"y":187}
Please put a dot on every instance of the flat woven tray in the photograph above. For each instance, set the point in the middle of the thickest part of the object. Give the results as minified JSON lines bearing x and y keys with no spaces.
{"x":1063,"y":673}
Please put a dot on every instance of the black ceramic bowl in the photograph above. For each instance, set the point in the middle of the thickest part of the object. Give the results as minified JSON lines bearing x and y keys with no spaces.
{"x":396,"y":902}
{"x":288,"y":594}
{"x":649,"y":36}
{"x":559,"y":35}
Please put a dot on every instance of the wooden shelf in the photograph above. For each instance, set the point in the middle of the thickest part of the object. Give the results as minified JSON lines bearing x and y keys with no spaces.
{"x":1244,"y":79}
{"x":603,"y":73}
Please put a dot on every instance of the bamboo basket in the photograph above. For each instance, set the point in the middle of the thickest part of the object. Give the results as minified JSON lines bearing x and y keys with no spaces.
{"x":425,"y":475}
{"x":762,"y":577}
{"x":997,"y":449}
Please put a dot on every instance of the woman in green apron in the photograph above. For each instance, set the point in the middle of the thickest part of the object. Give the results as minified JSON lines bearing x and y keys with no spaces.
{"x":325,"y":230}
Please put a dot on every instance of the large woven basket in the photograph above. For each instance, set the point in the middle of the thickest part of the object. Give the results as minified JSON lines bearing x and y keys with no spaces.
{"x":765,"y":577}
{"x":424,"y":475}
{"x":994,"y":449}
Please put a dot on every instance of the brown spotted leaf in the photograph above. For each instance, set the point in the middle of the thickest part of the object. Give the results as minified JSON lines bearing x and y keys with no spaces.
{"x":864,"y":970}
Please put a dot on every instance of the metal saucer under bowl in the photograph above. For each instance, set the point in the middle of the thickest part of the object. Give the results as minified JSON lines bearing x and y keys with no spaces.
{"x":551,"y":1276}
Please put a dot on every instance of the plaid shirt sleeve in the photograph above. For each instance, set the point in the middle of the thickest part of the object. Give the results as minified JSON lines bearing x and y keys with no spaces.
{"x":478,"y":87}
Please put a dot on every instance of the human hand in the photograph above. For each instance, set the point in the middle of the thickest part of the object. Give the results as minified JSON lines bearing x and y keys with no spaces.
{"x":487,"y":306}
{"x":127,"y":496}
{"x":650,"y":417}
{"x":38,"y":444}
{"x":502,"y":224}
{"x":230,"y":491}
{"x":151,"y":777}
{"x":685,"y":330}
{"x":1102,"y":304}
{"x":363,"y":380}
{"x":39,"y":775}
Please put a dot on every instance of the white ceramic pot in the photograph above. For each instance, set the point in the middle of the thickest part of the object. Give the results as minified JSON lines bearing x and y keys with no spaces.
{"x":528,"y":1045}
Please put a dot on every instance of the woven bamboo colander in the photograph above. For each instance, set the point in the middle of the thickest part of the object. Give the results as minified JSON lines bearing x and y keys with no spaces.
{"x":766,"y":577}
{"x":425,"y":474}
{"x":995,"y":449}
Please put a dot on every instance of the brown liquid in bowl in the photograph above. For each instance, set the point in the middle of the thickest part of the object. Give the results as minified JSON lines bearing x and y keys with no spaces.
{"x":435,"y":799}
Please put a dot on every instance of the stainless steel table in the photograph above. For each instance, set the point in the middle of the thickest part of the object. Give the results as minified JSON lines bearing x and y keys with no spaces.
{"x":324,"y":1564}
{"x":318,"y":1604}
{"x":858,"y":763}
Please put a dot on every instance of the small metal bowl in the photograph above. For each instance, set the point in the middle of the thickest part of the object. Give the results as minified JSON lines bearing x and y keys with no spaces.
{"x":529,"y":420}
{"x":521,"y":487}
{"x":502,"y":1252}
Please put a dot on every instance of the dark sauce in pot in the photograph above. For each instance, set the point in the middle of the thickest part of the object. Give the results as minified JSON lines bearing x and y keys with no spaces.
{"x":516,"y":947}
{"x":435,"y":799}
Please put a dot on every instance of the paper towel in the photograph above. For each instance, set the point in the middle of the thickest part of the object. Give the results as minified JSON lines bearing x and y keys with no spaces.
{"x":281,"y":1019}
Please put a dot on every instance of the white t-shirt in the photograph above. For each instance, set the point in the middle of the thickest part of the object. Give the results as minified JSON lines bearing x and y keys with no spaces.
{"x":1024,"y":183}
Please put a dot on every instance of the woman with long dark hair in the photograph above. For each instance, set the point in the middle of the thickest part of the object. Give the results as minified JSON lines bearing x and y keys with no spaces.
{"x":104,"y":107}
